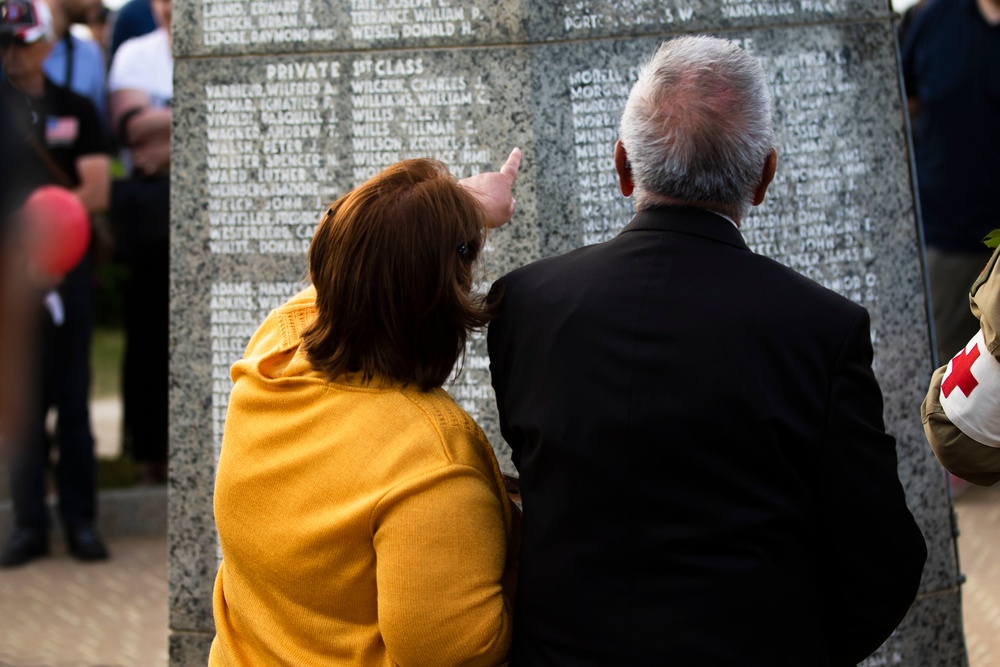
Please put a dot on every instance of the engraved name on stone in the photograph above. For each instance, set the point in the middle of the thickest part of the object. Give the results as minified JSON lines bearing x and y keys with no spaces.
{"x":597,"y":97}
{"x":236,"y":310}
{"x":262,"y":22}
{"x":470,"y":384}
{"x":472,"y":389}
{"x":392,"y":20}
{"x":884,"y":657}
{"x":814,"y":219}
{"x":268,"y":167}
{"x":579,"y":16}
{"x":420,"y":107}
{"x":406,"y":108}
{"x":591,"y":15}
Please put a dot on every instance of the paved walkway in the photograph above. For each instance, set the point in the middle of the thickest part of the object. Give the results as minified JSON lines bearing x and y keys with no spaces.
{"x":979,"y":555}
{"x":106,"y":420}
{"x":58,"y":612}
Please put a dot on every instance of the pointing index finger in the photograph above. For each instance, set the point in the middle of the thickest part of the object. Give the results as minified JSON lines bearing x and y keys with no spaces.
{"x":512,"y":164}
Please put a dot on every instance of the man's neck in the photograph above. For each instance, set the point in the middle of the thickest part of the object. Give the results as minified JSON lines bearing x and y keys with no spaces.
{"x":60,"y":22}
{"x":990,"y":9}
{"x":727,"y":211}
{"x":32,"y":86}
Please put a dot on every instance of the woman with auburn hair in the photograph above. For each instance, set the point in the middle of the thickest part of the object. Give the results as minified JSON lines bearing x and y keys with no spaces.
{"x":361,"y":512}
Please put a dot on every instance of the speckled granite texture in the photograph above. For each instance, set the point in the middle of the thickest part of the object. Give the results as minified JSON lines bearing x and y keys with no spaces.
{"x":282,"y":106}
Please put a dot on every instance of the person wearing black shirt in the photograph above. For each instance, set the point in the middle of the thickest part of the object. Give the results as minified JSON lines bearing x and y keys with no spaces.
{"x":60,"y":140}
{"x":949,"y":61}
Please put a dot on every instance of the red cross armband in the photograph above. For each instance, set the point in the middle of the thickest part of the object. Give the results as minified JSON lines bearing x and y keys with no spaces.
{"x":970,"y":392}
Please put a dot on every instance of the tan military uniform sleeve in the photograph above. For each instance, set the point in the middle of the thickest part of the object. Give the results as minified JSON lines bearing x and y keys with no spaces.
{"x":961,"y":412}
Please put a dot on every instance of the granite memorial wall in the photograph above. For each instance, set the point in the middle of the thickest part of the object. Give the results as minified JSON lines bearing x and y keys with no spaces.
{"x":283,"y":105}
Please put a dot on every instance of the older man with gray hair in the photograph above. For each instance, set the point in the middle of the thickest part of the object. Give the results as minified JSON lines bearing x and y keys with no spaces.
{"x":704,"y":468}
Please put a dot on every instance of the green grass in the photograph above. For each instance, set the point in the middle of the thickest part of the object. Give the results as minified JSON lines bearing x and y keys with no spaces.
{"x":116,"y":473}
{"x":106,"y":353}
{"x":107,"y":348}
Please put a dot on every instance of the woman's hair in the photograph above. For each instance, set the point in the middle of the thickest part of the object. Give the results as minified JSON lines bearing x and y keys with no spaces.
{"x":697,"y":124}
{"x":392,"y":266}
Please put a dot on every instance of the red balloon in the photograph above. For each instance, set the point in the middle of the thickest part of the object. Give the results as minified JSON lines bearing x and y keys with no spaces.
{"x":57,"y":229}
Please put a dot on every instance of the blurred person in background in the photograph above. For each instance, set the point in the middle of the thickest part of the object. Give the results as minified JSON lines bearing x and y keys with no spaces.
{"x":16,"y":297}
{"x":961,"y":412}
{"x":906,"y":19}
{"x":98,"y":23}
{"x":140,"y":89}
{"x":79,"y":64}
{"x":76,"y":63}
{"x":133,"y":19}
{"x":950,"y":55}
{"x":61,"y":141}
{"x":950,"y":51}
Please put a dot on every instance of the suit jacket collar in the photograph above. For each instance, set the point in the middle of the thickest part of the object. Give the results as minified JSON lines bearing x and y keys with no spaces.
{"x":687,"y":220}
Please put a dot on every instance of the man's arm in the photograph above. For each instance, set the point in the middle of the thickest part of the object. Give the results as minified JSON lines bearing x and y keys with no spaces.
{"x":498,"y":342}
{"x":92,"y":163}
{"x":872,"y":550}
{"x":94,"y":190}
{"x":961,"y":455}
{"x":962,"y":424}
{"x":143,"y":129}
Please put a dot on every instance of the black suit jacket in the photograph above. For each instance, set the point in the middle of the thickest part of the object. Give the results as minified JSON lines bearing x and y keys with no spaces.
{"x":704,"y":468}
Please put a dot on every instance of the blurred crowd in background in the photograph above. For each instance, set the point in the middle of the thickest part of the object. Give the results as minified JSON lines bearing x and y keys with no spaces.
{"x":86,"y":96}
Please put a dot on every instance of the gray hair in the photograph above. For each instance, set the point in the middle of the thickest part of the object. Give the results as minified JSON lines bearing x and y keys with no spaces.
{"x":697,"y":124}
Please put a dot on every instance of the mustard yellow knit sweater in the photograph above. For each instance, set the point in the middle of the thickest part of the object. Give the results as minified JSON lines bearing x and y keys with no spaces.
{"x":360,"y":525}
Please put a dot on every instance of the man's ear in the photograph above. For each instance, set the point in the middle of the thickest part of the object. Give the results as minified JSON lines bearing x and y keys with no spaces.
{"x":624,"y":170}
{"x":770,"y":166}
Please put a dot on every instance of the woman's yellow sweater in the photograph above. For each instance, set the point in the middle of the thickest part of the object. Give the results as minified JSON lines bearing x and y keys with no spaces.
{"x":360,"y":524}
